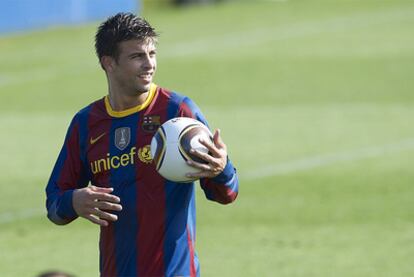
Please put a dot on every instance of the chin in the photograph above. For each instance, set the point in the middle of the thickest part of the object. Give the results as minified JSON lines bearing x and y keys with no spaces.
{"x":144,"y":88}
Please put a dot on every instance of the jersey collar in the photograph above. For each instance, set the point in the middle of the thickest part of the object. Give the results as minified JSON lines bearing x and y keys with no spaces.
{"x":132,"y":110}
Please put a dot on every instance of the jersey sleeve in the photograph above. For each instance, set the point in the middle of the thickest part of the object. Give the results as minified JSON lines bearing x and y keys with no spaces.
{"x":224,"y":187}
{"x":68,"y":174}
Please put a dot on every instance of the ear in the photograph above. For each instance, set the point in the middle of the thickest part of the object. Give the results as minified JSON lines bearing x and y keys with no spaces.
{"x":107,"y":63}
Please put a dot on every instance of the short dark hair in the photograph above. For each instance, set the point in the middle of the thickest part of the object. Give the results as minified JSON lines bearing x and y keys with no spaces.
{"x":118,"y":28}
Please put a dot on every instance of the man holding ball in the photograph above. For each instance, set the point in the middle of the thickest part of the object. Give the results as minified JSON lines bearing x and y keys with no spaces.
{"x":104,"y":172}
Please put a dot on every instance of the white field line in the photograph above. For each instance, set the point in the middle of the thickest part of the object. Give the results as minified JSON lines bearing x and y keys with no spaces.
{"x":271,"y":170}
{"x":328,"y":159}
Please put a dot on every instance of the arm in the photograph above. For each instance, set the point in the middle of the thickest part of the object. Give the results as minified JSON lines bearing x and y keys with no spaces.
{"x":67,"y":175}
{"x":67,"y":193}
{"x":218,"y":178}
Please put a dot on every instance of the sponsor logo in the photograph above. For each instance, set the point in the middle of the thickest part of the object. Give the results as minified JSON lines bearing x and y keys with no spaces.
{"x":122,"y":137}
{"x":94,"y":140}
{"x":150,"y":123}
{"x":119,"y":161}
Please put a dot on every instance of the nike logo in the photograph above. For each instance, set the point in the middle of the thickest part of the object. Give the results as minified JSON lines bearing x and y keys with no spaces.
{"x":94,"y":140}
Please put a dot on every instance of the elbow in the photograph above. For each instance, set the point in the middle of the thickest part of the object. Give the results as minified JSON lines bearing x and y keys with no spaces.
{"x":56,"y":219}
{"x":52,"y":214}
{"x":228,"y":199}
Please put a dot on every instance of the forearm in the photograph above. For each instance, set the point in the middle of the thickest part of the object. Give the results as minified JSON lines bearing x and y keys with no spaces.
{"x":60,"y":208}
{"x":224,"y":187}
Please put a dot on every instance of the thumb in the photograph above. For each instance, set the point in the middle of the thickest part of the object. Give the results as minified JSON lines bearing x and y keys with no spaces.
{"x":217,"y":139}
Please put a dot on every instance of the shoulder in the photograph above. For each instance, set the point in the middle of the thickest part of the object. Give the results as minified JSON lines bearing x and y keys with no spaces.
{"x":181,"y":105}
{"x":172,"y":96}
{"x":96,"y":107}
{"x":82,"y":119}
{"x":175,"y":97}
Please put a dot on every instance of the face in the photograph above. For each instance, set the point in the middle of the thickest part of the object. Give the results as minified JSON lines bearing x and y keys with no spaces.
{"x":134,"y":69}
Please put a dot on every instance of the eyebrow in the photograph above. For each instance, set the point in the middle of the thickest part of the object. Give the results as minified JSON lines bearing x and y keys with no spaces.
{"x":141,"y":52}
{"x":136,"y":53}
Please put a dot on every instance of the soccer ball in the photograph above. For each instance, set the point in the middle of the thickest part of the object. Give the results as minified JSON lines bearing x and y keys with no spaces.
{"x":171,"y":144}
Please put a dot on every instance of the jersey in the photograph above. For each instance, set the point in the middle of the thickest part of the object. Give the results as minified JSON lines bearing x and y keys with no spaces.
{"x":155,"y":231}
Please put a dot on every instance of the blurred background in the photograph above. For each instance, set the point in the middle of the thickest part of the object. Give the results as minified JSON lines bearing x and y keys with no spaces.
{"x":315,"y":102}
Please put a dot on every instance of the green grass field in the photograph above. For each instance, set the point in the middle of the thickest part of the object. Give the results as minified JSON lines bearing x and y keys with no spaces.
{"x":315,"y":101}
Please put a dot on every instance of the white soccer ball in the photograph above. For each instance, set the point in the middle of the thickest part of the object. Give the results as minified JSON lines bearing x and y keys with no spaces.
{"x":171,"y":144}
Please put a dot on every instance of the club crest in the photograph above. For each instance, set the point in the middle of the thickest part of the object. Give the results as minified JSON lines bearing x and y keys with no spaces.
{"x":144,"y":154}
{"x":122,"y":137}
{"x":150,"y":123}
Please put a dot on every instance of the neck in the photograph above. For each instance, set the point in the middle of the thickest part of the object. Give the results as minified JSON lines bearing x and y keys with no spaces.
{"x":121,"y":100}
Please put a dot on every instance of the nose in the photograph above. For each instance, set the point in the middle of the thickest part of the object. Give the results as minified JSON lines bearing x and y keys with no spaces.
{"x":149,"y":62}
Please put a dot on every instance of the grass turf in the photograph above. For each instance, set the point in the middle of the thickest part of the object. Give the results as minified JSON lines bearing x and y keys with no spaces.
{"x":287,"y":82}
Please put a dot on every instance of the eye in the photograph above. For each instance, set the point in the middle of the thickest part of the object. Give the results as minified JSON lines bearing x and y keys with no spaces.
{"x":136,"y":56}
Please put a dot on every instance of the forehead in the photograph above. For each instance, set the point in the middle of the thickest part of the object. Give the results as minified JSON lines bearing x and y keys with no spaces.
{"x":136,"y":45}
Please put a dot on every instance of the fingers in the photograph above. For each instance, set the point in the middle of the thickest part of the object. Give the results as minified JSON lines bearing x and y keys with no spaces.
{"x":215,"y":165}
{"x":103,"y":194}
{"x":101,"y":189}
{"x":206,"y":157}
{"x":105,"y":197}
{"x":210,"y":146}
{"x":205,"y":167}
{"x":97,"y":216}
{"x":201,"y":174}
{"x":104,"y":215}
{"x":96,"y":220}
{"x":104,"y":202}
{"x":102,"y":205}
{"x":93,"y":203}
{"x":216,"y":158}
{"x":206,"y":170}
{"x":216,"y":147}
{"x":217,"y":139}
{"x":100,"y":217}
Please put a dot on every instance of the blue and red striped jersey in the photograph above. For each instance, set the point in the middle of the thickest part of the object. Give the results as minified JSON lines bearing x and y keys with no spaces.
{"x":155,"y":231}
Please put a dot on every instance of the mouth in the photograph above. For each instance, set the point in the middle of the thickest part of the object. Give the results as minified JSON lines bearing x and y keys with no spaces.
{"x":146,"y":76}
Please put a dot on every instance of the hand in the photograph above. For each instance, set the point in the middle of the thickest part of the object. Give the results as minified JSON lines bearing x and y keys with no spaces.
{"x":216,"y":161}
{"x":92,"y":203}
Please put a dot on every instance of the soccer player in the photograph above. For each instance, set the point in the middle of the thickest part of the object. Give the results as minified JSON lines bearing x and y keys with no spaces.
{"x":104,"y":172}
